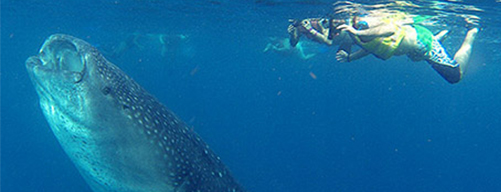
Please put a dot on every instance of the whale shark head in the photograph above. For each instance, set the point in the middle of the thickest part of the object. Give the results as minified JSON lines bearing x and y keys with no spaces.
{"x":87,"y":103}
{"x":58,"y":71}
{"x":118,"y":136}
{"x":73,"y":79}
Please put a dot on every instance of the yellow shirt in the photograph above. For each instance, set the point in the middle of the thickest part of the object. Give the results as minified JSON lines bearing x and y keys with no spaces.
{"x":383,"y":47}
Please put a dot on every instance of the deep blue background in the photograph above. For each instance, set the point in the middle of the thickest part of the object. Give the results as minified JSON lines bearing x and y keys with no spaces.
{"x":368,"y":125}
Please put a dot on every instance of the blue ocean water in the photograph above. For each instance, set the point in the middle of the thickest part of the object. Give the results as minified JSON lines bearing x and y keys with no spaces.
{"x":278,"y":122}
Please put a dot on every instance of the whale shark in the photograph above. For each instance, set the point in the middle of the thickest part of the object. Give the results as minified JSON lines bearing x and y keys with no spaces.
{"x":120,"y":137}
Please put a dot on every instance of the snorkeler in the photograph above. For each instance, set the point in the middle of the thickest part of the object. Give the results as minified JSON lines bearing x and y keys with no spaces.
{"x":282,"y":45}
{"x":394,"y":34}
{"x":152,"y":42}
{"x":321,"y":30}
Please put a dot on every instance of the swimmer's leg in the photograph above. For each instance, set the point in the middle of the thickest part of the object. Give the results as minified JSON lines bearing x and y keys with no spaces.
{"x":463,"y":54}
{"x":120,"y":49}
{"x":267,"y":48}
{"x":442,"y":35}
{"x":301,"y":53}
{"x":452,"y":69}
{"x":306,"y":57}
{"x":163,"y":43}
{"x":163,"y":51}
{"x":440,"y":60}
{"x":451,"y":74}
{"x":135,"y":42}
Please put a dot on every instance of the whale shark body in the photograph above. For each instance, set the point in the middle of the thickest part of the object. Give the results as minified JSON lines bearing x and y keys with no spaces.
{"x":119,"y":136}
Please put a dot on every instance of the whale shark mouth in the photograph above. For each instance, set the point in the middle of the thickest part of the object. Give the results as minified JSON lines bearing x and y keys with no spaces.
{"x":60,"y":56}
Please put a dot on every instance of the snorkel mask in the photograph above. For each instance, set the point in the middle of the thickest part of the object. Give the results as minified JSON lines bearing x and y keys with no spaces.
{"x":359,"y":24}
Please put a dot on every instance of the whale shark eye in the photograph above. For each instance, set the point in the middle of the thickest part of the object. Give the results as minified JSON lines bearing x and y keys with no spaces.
{"x":77,"y":77}
{"x":106,"y":90}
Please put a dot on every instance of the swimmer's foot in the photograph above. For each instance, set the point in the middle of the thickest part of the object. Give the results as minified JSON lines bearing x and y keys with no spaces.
{"x":266,"y":48}
{"x":471,"y":34}
{"x":471,"y":26}
{"x":472,"y":22}
{"x":442,"y":35}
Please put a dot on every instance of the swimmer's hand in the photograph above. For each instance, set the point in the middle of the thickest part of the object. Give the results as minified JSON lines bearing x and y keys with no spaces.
{"x":291,"y":29}
{"x":342,"y":56}
{"x":348,"y":28}
{"x":294,"y":35}
{"x":294,"y":22}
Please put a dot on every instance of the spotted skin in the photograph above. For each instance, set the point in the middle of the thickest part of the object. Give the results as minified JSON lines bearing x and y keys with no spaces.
{"x":119,"y":136}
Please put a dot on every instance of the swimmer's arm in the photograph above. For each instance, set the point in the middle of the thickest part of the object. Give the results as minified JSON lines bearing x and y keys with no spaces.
{"x":317,"y":35}
{"x":323,"y":38}
{"x":343,"y":56}
{"x":357,"y":55}
{"x":345,"y":46}
{"x":344,"y":53}
{"x":377,"y":31}
{"x":380,"y":30}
